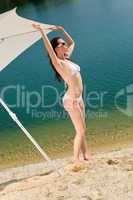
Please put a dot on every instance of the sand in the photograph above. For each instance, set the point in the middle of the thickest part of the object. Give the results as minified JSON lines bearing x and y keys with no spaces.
{"x":108,"y":176}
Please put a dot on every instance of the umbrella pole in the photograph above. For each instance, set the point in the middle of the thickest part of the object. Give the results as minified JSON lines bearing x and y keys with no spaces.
{"x":14,"y":117}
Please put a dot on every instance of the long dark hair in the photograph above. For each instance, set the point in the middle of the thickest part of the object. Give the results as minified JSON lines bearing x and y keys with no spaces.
{"x":54,"y":43}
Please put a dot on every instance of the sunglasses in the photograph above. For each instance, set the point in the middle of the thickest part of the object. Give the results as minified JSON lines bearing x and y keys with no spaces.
{"x":61,"y":44}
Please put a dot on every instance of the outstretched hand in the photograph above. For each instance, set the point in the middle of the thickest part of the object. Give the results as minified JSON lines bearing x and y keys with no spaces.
{"x":54,"y":28}
{"x":37,"y":26}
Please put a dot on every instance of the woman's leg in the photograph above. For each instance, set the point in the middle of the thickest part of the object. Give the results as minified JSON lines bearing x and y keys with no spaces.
{"x":77,"y":119}
{"x":78,"y":123}
{"x":85,"y":150}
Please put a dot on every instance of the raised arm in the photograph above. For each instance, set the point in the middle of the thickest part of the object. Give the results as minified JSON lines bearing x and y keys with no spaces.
{"x":70,"y":43}
{"x":69,"y":39}
{"x":47,"y":44}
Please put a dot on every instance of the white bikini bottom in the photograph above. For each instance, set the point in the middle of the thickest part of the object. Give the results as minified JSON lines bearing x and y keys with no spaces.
{"x":69,"y":102}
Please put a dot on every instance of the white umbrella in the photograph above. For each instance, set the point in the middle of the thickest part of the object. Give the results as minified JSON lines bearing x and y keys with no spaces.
{"x":16,"y":35}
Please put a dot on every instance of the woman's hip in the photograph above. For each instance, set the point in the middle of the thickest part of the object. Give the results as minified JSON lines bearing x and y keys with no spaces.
{"x":69,"y":102}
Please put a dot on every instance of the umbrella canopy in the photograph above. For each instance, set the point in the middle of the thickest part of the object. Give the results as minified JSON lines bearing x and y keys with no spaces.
{"x":16,"y":35}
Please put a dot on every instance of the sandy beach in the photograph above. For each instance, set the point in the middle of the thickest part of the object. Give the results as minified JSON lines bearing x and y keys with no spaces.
{"x":108,"y":176}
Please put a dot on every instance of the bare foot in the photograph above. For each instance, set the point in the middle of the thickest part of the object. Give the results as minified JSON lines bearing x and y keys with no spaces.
{"x":78,"y":165}
{"x":87,"y":156}
{"x":78,"y":162}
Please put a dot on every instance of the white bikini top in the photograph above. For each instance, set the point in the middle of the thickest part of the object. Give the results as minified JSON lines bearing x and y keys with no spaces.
{"x":74,"y":69}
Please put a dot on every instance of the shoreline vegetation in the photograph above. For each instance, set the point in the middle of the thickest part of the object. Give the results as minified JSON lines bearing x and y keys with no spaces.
{"x":9,"y":4}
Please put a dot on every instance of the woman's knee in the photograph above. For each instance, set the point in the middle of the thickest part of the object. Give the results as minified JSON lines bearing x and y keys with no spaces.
{"x":82,"y":132}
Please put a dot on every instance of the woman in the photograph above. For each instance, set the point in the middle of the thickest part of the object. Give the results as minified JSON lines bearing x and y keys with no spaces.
{"x":59,"y":53}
